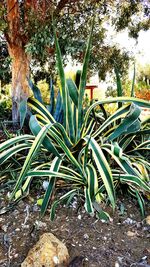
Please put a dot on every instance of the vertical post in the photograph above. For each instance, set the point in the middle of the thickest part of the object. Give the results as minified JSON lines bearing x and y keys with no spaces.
{"x":91,"y":95}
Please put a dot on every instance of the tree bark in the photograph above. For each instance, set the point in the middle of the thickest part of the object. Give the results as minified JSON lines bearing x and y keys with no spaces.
{"x":20,"y":73}
{"x":16,"y":41}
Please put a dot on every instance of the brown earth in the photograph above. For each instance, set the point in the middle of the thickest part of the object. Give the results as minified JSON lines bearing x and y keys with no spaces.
{"x":125,"y":241}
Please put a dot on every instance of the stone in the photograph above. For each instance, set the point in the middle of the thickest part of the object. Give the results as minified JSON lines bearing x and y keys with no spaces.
{"x":148,"y":219}
{"x":131,"y":234}
{"x":48,"y":252}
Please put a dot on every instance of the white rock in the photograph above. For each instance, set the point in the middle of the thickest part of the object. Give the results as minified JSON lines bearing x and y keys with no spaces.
{"x":86,"y":236}
{"x":45,"y":185}
{"x":79,"y":217}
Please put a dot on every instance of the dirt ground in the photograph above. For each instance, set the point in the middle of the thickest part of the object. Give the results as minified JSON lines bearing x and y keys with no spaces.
{"x":125,"y":241}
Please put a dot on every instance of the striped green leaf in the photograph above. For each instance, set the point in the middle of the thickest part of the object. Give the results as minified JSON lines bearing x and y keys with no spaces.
{"x":103,"y":215}
{"x":24,"y":191}
{"x":39,"y":108}
{"x":22,"y":138}
{"x":82,"y":84}
{"x":54,"y":167}
{"x":32,"y":153}
{"x":67,"y":110}
{"x":42,"y":173}
{"x":134,"y":181}
{"x":6,"y":154}
{"x":138,"y":102}
{"x":103,"y":168}
{"x":47,"y":143}
{"x":66,"y":150}
{"x":93,"y":183}
{"x":120,"y":113}
{"x":61,"y":199}
{"x":73,"y":91}
{"x":88,"y":202}
{"x":129,"y":124}
{"x":141,"y":203}
{"x":36,"y":91}
{"x":122,"y":161}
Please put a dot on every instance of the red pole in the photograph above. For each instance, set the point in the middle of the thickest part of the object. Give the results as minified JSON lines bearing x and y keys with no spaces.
{"x":92,"y":93}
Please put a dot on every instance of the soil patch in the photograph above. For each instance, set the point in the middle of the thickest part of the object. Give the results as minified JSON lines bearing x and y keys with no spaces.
{"x":125,"y":241}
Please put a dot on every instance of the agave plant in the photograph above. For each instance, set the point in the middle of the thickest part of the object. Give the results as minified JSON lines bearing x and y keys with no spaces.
{"x":55,"y":109}
{"x":87,"y":152}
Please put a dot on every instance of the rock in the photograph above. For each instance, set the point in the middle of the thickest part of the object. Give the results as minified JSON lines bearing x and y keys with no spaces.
{"x":131,"y":234}
{"x":148,"y":220}
{"x":86,"y":236}
{"x":4,"y":227}
{"x":48,"y":252}
{"x":129,"y":221}
{"x":40,"y":224}
{"x":45,"y":185}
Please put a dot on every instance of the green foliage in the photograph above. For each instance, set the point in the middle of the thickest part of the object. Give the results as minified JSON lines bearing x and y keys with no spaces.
{"x":5,"y":62}
{"x":128,"y":17}
{"x":90,"y":154}
{"x":5,"y":103}
{"x":39,"y":43}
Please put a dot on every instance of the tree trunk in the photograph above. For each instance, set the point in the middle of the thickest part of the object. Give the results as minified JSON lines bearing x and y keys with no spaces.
{"x":20,"y":73}
{"x":16,"y":41}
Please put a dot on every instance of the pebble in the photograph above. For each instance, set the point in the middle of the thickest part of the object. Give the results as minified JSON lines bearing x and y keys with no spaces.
{"x":148,"y":220}
{"x":4,"y":228}
{"x":79,"y":217}
{"x":8,"y":195}
{"x":45,"y":185}
{"x":24,"y":226}
{"x":86,"y":236}
{"x":74,"y":204}
{"x":40,"y":224}
{"x":56,"y":260}
{"x":17,"y":229}
{"x":129,"y":221}
{"x":131,"y":234}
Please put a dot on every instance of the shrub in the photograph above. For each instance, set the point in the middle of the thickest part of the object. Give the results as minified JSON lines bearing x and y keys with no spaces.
{"x":91,"y":154}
